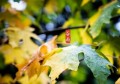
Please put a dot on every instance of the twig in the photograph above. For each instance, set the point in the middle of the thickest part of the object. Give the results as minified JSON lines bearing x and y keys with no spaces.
{"x":60,"y":30}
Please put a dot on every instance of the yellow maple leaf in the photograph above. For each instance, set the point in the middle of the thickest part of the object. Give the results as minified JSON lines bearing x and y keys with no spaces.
{"x":12,"y":55}
{"x":22,"y":38}
{"x":34,"y":65}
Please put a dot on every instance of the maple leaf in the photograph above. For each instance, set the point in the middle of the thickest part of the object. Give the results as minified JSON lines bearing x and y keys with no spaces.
{"x":101,"y":17}
{"x":60,"y":61}
{"x":22,"y":38}
{"x":67,"y":58}
{"x":13,"y":55}
{"x":97,"y":64}
{"x":34,"y":65}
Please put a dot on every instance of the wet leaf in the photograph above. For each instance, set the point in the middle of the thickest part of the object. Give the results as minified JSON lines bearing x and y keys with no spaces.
{"x":68,"y":59}
{"x":65,"y":59}
{"x":97,"y":64}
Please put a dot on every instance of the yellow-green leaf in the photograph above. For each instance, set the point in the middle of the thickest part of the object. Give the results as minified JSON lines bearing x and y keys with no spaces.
{"x":85,"y":37}
{"x":84,"y":2}
{"x":66,"y":59}
{"x":103,"y":16}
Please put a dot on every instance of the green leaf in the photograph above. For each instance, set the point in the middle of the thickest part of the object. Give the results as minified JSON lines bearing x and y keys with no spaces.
{"x":97,"y":64}
{"x":103,"y":17}
{"x":68,"y":59}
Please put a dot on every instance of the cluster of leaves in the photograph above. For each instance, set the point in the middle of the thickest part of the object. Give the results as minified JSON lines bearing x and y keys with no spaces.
{"x":23,"y":61}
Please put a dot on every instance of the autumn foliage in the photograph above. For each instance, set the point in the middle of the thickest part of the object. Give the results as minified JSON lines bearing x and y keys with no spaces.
{"x":33,"y":46}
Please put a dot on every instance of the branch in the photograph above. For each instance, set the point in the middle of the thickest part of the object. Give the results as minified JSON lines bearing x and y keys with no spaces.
{"x":60,"y":30}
